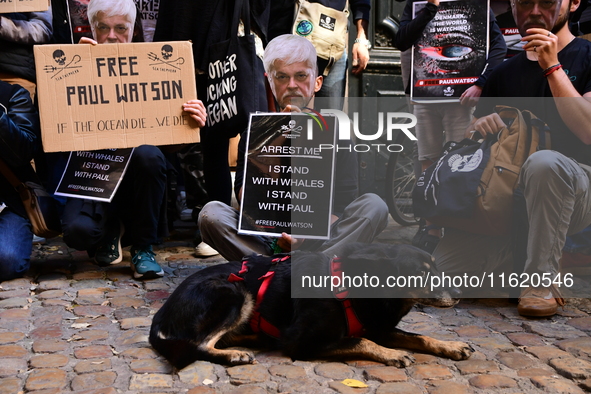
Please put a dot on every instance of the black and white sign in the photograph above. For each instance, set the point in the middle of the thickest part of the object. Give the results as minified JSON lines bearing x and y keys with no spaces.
{"x":288,"y":177}
{"x":95,"y":175}
{"x":451,"y":54}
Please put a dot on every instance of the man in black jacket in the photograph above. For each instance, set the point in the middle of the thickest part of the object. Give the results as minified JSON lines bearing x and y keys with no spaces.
{"x":19,"y":139}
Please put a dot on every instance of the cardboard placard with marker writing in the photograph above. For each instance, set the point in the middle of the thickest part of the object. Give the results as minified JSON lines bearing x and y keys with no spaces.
{"x":115,"y":95}
{"x":7,"y":6}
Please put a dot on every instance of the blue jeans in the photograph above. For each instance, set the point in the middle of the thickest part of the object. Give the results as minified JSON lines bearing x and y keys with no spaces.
{"x":333,"y":85}
{"x":16,"y":245}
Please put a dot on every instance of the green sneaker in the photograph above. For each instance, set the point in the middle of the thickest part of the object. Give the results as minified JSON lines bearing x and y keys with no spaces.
{"x":110,"y":252}
{"x":144,"y":265}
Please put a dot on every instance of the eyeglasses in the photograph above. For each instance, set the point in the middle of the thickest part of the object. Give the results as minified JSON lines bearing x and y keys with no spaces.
{"x":529,"y":4}
{"x":119,"y":29}
{"x":284,"y":78}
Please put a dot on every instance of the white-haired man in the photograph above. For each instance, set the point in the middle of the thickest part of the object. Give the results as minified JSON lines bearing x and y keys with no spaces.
{"x":290,"y":66}
{"x":138,"y":206}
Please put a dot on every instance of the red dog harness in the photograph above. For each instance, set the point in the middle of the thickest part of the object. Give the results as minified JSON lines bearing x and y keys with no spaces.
{"x":259,"y":324}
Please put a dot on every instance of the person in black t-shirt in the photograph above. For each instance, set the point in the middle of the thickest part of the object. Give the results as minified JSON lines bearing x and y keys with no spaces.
{"x":551,"y":78}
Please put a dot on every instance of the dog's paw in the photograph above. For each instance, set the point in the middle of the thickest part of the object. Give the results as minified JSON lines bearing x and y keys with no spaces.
{"x":398,"y":358}
{"x":456,"y":350}
{"x":239,"y":357}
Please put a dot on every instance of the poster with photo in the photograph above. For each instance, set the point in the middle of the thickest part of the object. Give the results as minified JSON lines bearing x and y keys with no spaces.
{"x":452,"y":53}
{"x":288,"y":176}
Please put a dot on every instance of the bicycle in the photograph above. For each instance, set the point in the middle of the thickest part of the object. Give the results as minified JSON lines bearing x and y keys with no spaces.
{"x":400,"y":181}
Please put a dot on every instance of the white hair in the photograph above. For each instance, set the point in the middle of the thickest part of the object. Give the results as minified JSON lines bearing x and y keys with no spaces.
{"x":111,"y":8}
{"x":290,"y":49}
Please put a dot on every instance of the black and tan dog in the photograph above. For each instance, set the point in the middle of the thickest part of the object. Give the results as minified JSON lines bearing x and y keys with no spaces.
{"x":223,"y":306}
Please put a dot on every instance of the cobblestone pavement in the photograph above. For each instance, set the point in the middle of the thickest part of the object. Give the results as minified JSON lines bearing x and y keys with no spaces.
{"x":70,"y":326}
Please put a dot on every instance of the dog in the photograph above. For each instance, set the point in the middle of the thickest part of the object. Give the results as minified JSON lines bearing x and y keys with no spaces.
{"x":223,"y":306}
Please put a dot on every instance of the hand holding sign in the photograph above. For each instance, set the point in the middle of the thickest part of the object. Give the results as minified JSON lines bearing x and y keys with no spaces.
{"x":196,"y":110}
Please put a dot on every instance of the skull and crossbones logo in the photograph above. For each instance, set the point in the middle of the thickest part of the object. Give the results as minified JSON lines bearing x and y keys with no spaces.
{"x":290,"y":128}
{"x":166,"y":52}
{"x":60,"y":59}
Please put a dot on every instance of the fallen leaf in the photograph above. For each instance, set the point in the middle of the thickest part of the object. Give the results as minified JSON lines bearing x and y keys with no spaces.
{"x":354,"y":383}
{"x":80,"y":325}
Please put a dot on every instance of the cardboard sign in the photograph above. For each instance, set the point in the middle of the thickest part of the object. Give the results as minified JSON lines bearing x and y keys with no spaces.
{"x":288,"y":178}
{"x":451,"y":54}
{"x":115,"y":95}
{"x":7,"y":6}
{"x":95,"y":175}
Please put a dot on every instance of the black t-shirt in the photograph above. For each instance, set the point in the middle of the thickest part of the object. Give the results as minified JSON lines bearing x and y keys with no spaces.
{"x":520,"y":83}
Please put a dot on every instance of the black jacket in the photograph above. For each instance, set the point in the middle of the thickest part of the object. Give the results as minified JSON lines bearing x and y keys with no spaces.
{"x":19,"y":140}
{"x":205,"y":23}
{"x":412,"y":29}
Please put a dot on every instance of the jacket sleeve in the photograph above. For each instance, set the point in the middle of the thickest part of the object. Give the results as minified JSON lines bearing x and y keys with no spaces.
{"x":19,"y":127}
{"x":360,"y":9}
{"x":412,"y":29}
{"x":36,"y":28}
{"x":496,"y":52}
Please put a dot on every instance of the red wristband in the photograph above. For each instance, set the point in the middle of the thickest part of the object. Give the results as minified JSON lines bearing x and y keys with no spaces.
{"x":551,"y":69}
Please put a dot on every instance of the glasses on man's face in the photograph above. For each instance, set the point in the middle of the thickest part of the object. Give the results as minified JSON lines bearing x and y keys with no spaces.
{"x":284,"y":78}
{"x":105,"y":29}
{"x":529,"y":4}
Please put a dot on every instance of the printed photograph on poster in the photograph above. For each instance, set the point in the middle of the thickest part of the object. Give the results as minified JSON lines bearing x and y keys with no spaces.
{"x":94,"y":175}
{"x":288,"y":177}
{"x":452,"y":52}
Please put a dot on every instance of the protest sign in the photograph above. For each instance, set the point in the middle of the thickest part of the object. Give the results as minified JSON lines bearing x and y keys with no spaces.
{"x":95,"y":175}
{"x":7,"y":6}
{"x":451,"y":54}
{"x":115,"y":95}
{"x":288,"y":177}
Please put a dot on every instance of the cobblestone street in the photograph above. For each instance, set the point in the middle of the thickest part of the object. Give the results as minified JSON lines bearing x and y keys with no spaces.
{"x":71,"y":326}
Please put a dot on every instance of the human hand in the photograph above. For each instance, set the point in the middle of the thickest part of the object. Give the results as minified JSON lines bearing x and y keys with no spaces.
{"x":360,"y":58}
{"x":436,"y":2}
{"x":86,"y":40}
{"x":470,"y":96}
{"x":196,"y":110}
{"x":291,"y":108}
{"x":489,"y":124}
{"x":287,"y":243}
{"x":544,"y":44}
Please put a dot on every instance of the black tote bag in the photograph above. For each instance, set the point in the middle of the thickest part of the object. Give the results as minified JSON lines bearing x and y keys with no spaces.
{"x":235,"y":79}
{"x":449,"y":187}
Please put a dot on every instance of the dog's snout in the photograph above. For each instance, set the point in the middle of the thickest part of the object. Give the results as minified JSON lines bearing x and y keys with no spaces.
{"x":455,"y":293}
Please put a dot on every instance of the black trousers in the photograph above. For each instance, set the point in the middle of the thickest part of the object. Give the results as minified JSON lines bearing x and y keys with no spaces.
{"x":139,"y":204}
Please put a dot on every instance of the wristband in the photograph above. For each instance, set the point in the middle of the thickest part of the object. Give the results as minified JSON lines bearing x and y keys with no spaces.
{"x":365,"y":42}
{"x":551,"y":69}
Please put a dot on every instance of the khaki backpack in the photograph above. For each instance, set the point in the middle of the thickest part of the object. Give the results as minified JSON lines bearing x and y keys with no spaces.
{"x":492,"y":213}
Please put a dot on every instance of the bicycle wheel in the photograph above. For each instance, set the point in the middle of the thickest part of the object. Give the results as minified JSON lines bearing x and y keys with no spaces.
{"x":400,"y":181}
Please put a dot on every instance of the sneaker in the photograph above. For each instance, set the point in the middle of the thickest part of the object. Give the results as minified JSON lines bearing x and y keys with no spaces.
{"x":144,"y":265}
{"x":539,"y":302}
{"x":204,"y":250}
{"x":110,"y":252}
{"x":39,"y":240}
